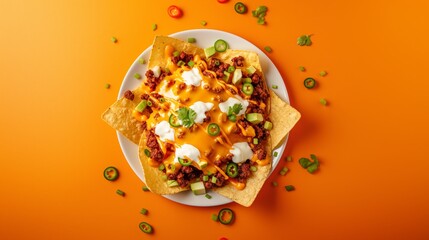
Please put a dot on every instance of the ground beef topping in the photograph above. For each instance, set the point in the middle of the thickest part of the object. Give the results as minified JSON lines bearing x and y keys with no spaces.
{"x":129,"y":95}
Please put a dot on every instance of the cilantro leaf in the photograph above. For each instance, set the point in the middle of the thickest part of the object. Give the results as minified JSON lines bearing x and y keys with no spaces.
{"x":187,"y":116}
{"x":307,"y":164}
{"x":237,"y":108}
{"x":182,"y":113}
{"x":192,"y":115}
{"x":304,"y":40}
{"x":233,"y":111}
{"x":260,"y":13}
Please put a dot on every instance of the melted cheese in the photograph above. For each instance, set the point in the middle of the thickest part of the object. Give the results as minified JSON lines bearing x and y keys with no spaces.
{"x":195,"y":143}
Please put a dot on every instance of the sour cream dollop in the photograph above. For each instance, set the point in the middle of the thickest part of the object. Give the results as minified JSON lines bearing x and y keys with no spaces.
{"x":192,"y":77}
{"x":189,"y":151}
{"x":241,"y":152}
{"x":224,"y":106}
{"x":164,"y":131}
{"x":200,"y":109}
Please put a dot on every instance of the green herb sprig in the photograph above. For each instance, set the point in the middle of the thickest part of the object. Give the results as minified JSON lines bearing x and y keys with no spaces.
{"x":233,"y":111}
{"x":260,"y":13}
{"x":304,"y":40}
{"x":187,"y":116}
{"x":311,"y":166}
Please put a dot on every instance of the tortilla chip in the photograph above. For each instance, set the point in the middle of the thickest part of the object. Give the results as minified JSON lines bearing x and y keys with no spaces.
{"x":119,"y":116}
{"x":254,"y":184}
{"x":153,"y":175}
{"x":284,"y":117}
{"x":250,"y":59}
{"x":157,"y":57}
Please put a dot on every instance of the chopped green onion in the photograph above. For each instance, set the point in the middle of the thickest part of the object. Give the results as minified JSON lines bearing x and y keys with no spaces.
{"x":154,"y":27}
{"x":289,"y":188}
{"x":302,"y":69}
{"x":161,"y":100}
{"x":323,"y":73}
{"x":147,"y":152}
{"x":142,"y":61}
{"x":205,"y":178}
{"x":192,"y":40}
{"x":275,"y":87}
{"x":203,"y":23}
{"x":214,"y":179}
{"x":253,"y":168}
{"x":267,"y":48}
{"x":214,"y":217}
{"x":180,"y":63}
{"x":164,"y":177}
{"x":274,"y":183}
{"x":149,"y":103}
{"x":289,"y":158}
{"x":313,"y":167}
{"x":304,"y":162}
{"x":275,"y":154}
{"x":191,"y":63}
{"x":323,"y":102}
{"x":208,"y":196}
{"x":119,"y":192}
{"x":161,"y":167}
{"x":137,"y":76}
{"x":231,"y":69}
{"x":284,"y":171}
{"x":176,"y":53}
{"x":143,"y":211}
{"x":255,"y":141}
{"x":145,"y":189}
{"x":107,"y":86}
{"x":114,"y":40}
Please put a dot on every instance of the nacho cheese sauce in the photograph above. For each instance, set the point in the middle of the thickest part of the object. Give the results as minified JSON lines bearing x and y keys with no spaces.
{"x":211,"y":100}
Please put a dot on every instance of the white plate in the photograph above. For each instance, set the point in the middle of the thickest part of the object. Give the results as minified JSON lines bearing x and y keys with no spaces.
{"x":205,"y":38}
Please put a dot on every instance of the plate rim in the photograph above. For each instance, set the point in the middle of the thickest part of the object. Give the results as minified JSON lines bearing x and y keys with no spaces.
{"x":123,"y":141}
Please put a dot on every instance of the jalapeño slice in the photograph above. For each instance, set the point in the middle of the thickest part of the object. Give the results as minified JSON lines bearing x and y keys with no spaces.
{"x":226,"y":216}
{"x":184,"y":161}
{"x":240,"y":8}
{"x":220,"y":45}
{"x":232,"y":169}
{"x":247,"y":89}
{"x":145,"y":227}
{"x":174,"y":121}
{"x":213,"y":129}
{"x":309,"y":83}
{"x":111,"y":173}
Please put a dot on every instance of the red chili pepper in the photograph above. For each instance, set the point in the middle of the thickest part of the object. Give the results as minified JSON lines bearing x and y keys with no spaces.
{"x":223,"y":1}
{"x":223,"y":238}
{"x":174,"y":11}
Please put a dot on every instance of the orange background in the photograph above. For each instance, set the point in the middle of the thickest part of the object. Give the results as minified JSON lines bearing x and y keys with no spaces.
{"x":371,"y":140}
